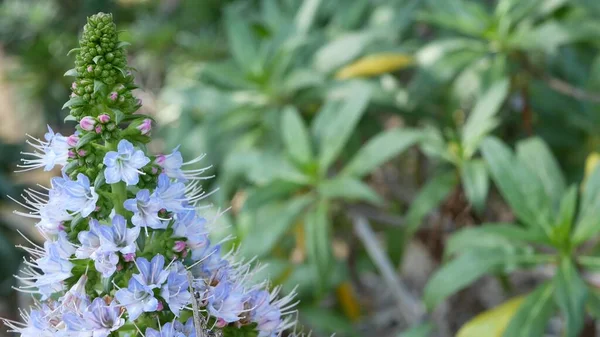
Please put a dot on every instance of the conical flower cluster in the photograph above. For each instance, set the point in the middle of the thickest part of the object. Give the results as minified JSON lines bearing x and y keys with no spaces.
{"x":127,"y":250}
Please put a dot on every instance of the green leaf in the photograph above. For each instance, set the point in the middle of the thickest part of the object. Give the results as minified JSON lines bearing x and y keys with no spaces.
{"x":520,"y":187}
{"x":349,"y":189}
{"x":88,"y":137}
{"x":99,"y":180}
{"x":306,"y":15}
{"x":570,"y":296}
{"x":534,"y":153}
{"x":593,"y":303}
{"x":122,"y":44}
{"x":533,"y":315}
{"x":381,"y":149}
{"x":462,"y":271}
{"x":70,"y":118}
{"x":242,"y":42}
{"x":420,"y":330}
{"x":318,"y":240}
{"x":340,"y":51}
{"x":482,"y":119}
{"x":428,"y":198}
{"x":99,"y":86}
{"x":475,"y":182}
{"x":97,"y":58}
{"x":342,"y":123}
{"x":491,"y":235}
{"x":295,"y":136}
{"x":588,"y":220}
{"x":119,"y":115}
{"x":566,"y":213}
{"x":272,"y":222}
{"x":72,"y":51}
{"x":276,"y":189}
{"x":493,"y":322}
{"x":74,"y":101}
{"x":71,"y":72}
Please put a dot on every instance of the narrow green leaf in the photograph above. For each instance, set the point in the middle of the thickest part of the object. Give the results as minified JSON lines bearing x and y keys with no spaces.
{"x":72,"y":51}
{"x":482,"y":119}
{"x":306,"y":15}
{"x":564,"y":219}
{"x":533,"y":314}
{"x":593,"y":303}
{"x":340,"y":51}
{"x":295,"y":136}
{"x":462,"y":271}
{"x":119,"y":115}
{"x":318,"y":240}
{"x":429,"y":197}
{"x":99,"y":180}
{"x":349,"y":189}
{"x":99,"y":86}
{"x":242,"y":42}
{"x":71,"y":72}
{"x":74,"y":101}
{"x":475,"y":182}
{"x":276,"y":189}
{"x":272,"y":222}
{"x":520,"y":187}
{"x":534,"y":153}
{"x":570,"y":296}
{"x":381,"y":149}
{"x":343,"y":123}
{"x":122,"y":44}
{"x":97,"y":58}
{"x":70,"y":118}
{"x":588,"y":220}
{"x":492,"y":235}
{"x":88,"y":137}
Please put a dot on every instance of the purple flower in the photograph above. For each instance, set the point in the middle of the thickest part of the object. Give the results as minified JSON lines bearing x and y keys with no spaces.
{"x":90,"y":241}
{"x":105,"y":262}
{"x":175,"y":291}
{"x":136,"y":298}
{"x":87,"y":123}
{"x":55,"y":268}
{"x":72,"y":140}
{"x":124,"y":164}
{"x":264,"y":314}
{"x":82,"y":197}
{"x":102,"y":319}
{"x":192,"y":227}
{"x":174,"y":329}
{"x":152,"y":274}
{"x":225,"y":302}
{"x":145,"y":127}
{"x":171,"y":164}
{"x":54,"y":151}
{"x":145,"y":210}
{"x":104,"y":118}
{"x":118,"y":238}
{"x":171,"y":195}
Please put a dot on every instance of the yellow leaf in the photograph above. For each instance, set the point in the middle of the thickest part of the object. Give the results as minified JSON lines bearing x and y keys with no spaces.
{"x":590,"y":163}
{"x":373,"y":65}
{"x":348,"y":301}
{"x":491,"y":323}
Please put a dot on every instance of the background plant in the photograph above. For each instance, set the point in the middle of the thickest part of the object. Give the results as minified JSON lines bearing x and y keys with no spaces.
{"x":351,"y":137}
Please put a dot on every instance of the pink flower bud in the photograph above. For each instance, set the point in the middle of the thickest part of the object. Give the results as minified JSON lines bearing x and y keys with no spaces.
{"x":119,"y":267}
{"x":145,"y":126}
{"x":90,"y":69}
{"x":82,"y":153}
{"x":71,"y":154}
{"x":104,"y":118}
{"x":160,"y":306}
{"x":87,"y":123}
{"x":72,"y":140}
{"x":154,"y":170}
{"x":160,"y":159}
{"x":113,"y":96}
{"x":98,"y":129}
{"x":72,"y":95}
{"x":184,"y":254}
{"x":221,"y":323}
{"x":129,"y":257}
{"x":74,"y":85}
{"x":179,"y":246}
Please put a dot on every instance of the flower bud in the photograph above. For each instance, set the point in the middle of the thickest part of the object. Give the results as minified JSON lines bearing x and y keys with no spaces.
{"x":72,"y":140}
{"x":71,"y":154}
{"x":104,"y":118}
{"x":98,"y":129}
{"x":179,"y":246}
{"x":145,"y":126}
{"x":87,"y":123}
{"x":221,"y":323}
{"x":113,"y":96}
{"x":129,"y":257}
{"x":160,"y":306}
{"x":82,"y":152}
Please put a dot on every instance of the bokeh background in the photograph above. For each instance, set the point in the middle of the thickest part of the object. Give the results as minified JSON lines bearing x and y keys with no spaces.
{"x":359,"y":235}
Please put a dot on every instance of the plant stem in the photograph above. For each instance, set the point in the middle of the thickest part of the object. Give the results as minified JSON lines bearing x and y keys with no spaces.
{"x":119,"y":193}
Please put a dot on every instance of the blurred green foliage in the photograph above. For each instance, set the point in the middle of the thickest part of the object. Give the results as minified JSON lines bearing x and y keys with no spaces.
{"x":308,"y":109}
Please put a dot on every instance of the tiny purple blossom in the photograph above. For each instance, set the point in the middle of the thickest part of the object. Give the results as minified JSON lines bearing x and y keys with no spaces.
{"x":90,"y":241}
{"x":118,"y":238}
{"x":175,"y":291}
{"x":82,"y":153}
{"x":226,"y":302}
{"x":113,"y":96}
{"x":87,"y":123}
{"x":124,"y":164}
{"x":82,"y":197}
{"x":103,"y":319}
{"x":105,"y":262}
{"x":179,"y":246}
{"x":136,"y":298}
{"x":152,"y":273}
{"x":145,"y":210}
{"x":98,"y":129}
{"x":171,"y":164}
